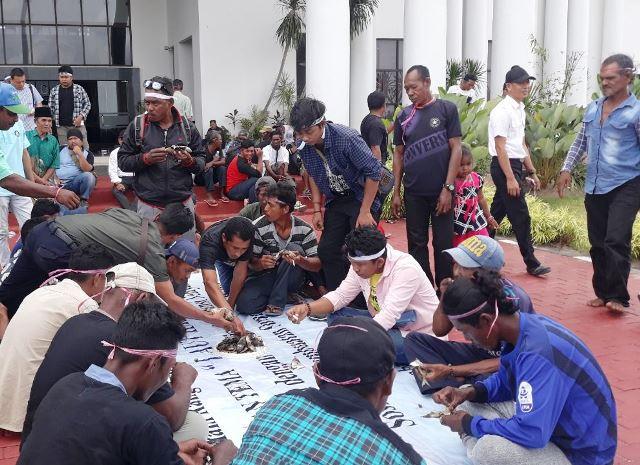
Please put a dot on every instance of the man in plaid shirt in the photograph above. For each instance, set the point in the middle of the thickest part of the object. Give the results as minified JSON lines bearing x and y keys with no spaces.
{"x":339,"y":424}
{"x":70,"y":105}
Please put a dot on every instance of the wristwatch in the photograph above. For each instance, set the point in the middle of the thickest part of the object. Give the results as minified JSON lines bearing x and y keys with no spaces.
{"x":449,"y":187}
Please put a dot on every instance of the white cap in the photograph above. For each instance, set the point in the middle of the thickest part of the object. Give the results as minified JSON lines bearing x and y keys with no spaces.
{"x":130,"y":276}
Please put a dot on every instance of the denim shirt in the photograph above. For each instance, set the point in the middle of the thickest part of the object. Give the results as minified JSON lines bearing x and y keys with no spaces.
{"x":347,"y":154}
{"x":613,"y":148}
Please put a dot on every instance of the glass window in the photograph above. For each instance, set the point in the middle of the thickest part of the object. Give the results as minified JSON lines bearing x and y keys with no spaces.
{"x":120,"y":49}
{"x":94,"y":12}
{"x":96,"y":46}
{"x":68,"y":11}
{"x":45,"y":48}
{"x":118,"y":11}
{"x":15,"y":11}
{"x":17,"y":44}
{"x":42,"y":12}
{"x":386,"y":54}
{"x":70,"y":45}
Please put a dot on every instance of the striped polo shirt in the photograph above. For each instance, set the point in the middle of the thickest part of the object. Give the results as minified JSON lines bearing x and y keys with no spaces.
{"x":268,"y":241}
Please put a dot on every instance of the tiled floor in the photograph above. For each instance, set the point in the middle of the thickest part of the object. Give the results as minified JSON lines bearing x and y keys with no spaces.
{"x":614,"y":339}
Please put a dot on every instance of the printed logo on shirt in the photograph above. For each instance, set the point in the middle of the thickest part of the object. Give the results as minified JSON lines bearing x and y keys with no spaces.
{"x":525,"y":397}
{"x":434,"y":122}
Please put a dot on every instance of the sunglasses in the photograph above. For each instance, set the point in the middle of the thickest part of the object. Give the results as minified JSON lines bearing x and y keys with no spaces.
{"x":155,"y":85}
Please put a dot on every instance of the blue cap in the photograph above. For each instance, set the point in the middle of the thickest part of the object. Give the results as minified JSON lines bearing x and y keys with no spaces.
{"x":10,"y":100}
{"x":184,"y":250}
{"x":478,"y":252}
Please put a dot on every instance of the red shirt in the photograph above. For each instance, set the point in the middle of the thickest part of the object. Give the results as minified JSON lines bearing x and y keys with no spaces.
{"x":234,"y":175}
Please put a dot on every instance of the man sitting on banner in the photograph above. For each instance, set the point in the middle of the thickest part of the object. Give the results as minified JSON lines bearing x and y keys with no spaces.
{"x":99,"y":416}
{"x":225,"y":250}
{"x":77,"y":345}
{"x":30,"y":331}
{"x":182,"y":260}
{"x":451,"y":363}
{"x":549,"y":403}
{"x":399,"y":295}
{"x":284,"y":253}
{"x":338,"y":424}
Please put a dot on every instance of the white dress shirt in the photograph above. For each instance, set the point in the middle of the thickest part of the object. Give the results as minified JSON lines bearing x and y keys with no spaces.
{"x":507,"y":120}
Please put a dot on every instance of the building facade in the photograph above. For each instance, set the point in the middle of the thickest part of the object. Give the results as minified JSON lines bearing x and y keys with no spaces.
{"x":227,"y":54}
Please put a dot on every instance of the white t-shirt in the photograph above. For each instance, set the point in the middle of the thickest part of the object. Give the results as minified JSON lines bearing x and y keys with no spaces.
{"x":467,"y":93}
{"x":270,"y":155}
{"x":507,"y":119}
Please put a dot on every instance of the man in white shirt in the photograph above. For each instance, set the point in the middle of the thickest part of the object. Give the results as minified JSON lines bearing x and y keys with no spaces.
{"x":276,"y":158}
{"x":29,"y":96}
{"x":14,"y":144}
{"x":509,"y":153}
{"x":467,"y":87}
{"x":181,"y":101}
{"x":121,"y":181}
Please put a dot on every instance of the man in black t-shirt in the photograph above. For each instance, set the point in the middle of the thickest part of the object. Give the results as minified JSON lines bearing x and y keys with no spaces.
{"x":77,"y":345}
{"x":373,"y":129}
{"x":225,"y":250}
{"x":100,"y":417}
{"x":427,"y":152}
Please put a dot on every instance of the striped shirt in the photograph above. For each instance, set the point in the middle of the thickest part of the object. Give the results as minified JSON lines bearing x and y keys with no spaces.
{"x":303,"y":427}
{"x":560,"y":391}
{"x":268,"y":241}
{"x":30,"y":97}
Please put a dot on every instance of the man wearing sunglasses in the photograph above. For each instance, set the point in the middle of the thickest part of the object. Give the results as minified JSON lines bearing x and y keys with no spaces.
{"x":163,"y":150}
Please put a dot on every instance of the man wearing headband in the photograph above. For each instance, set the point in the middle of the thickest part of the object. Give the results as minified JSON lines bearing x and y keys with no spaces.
{"x":77,"y":345}
{"x":549,"y":403}
{"x":70,"y":105}
{"x":285,"y":255}
{"x":450,"y":363}
{"x":31,"y":329}
{"x":127,"y":236}
{"x":339,"y":423}
{"x":99,"y":415}
{"x":163,"y":149}
{"x":344,"y":171}
{"x":610,"y":134}
{"x":399,"y":296}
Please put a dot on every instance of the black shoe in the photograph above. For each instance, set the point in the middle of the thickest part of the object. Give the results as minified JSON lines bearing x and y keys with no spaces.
{"x":539,"y":270}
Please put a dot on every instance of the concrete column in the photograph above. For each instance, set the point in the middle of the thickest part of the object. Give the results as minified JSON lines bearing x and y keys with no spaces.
{"x":594,"y":55}
{"x":363,"y":74}
{"x":578,"y":44}
{"x":513,"y":25}
{"x":613,"y":28}
{"x":555,"y":41}
{"x":425,"y":35}
{"x":328,"y":53}
{"x":454,"y":29}
{"x":475,"y":41}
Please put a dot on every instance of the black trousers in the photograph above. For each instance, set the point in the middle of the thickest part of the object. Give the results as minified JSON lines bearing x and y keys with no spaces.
{"x":610,"y":220}
{"x":121,"y":197}
{"x":514,"y":208}
{"x":42,"y":253}
{"x":340,"y":217}
{"x":270,"y":288}
{"x":421,"y":213}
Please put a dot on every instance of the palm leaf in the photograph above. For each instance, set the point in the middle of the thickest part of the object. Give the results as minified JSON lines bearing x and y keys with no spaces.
{"x":291,"y":29}
{"x":361,"y":12}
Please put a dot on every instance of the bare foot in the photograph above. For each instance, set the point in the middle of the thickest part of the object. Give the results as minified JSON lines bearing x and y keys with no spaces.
{"x":596,"y":303}
{"x":615,"y":306}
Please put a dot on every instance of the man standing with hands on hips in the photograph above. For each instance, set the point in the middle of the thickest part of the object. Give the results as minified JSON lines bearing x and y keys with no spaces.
{"x":509,"y":153}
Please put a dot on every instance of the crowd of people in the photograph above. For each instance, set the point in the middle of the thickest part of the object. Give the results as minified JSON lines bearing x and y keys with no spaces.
{"x":91,"y":304}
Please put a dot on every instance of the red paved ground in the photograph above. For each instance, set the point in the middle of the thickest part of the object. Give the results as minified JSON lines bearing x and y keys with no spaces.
{"x":614,"y":339}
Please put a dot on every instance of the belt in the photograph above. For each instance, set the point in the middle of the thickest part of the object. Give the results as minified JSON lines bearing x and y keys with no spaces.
{"x":57,"y":231}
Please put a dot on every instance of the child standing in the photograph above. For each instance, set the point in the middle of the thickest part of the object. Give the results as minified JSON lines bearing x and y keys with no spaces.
{"x":471,"y":211}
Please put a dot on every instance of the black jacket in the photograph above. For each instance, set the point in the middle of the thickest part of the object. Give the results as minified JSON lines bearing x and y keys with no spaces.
{"x":167,"y":182}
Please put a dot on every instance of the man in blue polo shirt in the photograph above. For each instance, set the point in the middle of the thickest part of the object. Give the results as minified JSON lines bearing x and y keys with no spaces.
{"x":610,"y":134}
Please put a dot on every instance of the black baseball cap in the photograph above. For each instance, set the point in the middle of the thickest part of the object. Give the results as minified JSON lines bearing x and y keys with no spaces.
{"x":517,"y":74}
{"x":355,"y":348}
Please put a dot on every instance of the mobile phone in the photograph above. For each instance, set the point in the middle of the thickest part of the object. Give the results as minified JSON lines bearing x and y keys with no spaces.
{"x":181,"y":148}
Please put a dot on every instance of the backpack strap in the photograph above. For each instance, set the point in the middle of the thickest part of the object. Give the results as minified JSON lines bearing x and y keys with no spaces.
{"x":139,"y":125}
{"x":33,"y":96}
{"x":186,"y":129}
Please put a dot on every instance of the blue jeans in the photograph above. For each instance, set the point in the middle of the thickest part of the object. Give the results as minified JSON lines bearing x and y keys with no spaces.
{"x":408,"y":316}
{"x":245,"y":190}
{"x":225,"y":275}
{"x":82,"y":184}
